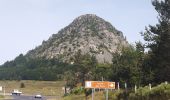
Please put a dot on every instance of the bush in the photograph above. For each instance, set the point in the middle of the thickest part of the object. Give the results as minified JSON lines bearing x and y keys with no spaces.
{"x":22,"y":85}
{"x":160,"y":92}
{"x":115,"y":95}
{"x":78,"y":90}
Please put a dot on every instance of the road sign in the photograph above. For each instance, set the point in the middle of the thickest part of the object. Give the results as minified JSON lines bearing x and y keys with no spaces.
{"x":100,"y":84}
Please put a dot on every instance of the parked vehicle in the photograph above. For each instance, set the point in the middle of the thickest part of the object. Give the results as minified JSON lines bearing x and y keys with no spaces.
{"x":16,"y":92}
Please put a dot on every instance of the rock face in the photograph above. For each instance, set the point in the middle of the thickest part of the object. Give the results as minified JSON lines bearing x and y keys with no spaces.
{"x":87,"y":33}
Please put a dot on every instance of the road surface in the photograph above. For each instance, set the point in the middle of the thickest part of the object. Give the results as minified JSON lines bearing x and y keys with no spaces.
{"x":24,"y":97}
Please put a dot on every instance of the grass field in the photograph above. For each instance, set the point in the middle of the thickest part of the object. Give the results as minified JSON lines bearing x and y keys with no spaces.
{"x":48,"y":88}
{"x":75,"y":97}
{"x":97,"y":96}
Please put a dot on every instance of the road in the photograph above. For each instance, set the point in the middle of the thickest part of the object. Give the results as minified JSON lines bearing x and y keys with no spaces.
{"x":23,"y":97}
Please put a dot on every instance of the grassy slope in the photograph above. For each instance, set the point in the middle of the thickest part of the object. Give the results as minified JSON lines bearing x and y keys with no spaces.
{"x":34,"y":87}
{"x":98,"y":96}
{"x":74,"y":97}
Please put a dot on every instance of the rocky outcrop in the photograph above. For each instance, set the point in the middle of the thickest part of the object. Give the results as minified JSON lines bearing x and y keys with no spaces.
{"x":88,"y":33}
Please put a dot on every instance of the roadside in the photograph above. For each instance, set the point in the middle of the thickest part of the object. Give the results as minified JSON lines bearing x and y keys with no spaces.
{"x":7,"y":97}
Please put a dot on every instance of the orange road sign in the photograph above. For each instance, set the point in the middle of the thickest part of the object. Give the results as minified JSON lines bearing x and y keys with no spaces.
{"x":100,"y":84}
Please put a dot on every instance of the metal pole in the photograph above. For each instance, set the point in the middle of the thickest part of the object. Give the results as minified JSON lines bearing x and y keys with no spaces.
{"x":92,"y":94}
{"x":4,"y":90}
{"x":106,"y":94}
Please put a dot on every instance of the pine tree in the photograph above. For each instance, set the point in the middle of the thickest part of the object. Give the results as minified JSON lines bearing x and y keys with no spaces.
{"x":126,"y":65}
{"x":158,"y":42}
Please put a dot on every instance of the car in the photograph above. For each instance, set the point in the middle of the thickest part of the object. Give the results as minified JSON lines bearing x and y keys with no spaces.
{"x":38,"y":96}
{"x":16,"y":92}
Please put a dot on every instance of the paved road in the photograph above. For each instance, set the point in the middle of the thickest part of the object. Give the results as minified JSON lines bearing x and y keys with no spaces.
{"x":27,"y":98}
{"x":24,"y":97}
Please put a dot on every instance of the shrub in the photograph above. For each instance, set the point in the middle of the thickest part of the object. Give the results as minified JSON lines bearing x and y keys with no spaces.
{"x":78,"y":90}
{"x":22,"y":85}
{"x":160,"y":92}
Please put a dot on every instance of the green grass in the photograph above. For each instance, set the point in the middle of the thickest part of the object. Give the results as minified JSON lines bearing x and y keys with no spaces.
{"x":74,"y":97}
{"x":1,"y":96}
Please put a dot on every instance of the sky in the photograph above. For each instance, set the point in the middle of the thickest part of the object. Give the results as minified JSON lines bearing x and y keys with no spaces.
{"x":24,"y":24}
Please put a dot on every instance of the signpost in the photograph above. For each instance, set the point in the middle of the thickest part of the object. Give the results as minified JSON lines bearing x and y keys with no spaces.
{"x":100,"y":84}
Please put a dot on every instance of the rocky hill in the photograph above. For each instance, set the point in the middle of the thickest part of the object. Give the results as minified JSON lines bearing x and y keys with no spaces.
{"x":88,"y":34}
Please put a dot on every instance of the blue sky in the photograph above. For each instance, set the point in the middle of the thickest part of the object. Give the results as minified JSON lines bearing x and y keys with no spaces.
{"x":24,"y":24}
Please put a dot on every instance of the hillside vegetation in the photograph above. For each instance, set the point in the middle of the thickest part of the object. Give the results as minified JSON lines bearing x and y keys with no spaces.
{"x":159,"y":92}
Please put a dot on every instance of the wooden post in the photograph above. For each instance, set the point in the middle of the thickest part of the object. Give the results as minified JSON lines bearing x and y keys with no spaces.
{"x":4,"y":90}
{"x":126,"y":87}
{"x":135,"y":88}
{"x":118,"y":87}
{"x":150,"y":87}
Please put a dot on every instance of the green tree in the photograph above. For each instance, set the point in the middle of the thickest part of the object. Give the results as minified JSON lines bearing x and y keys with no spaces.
{"x":83,"y":68}
{"x":69,"y":78}
{"x":127,"y":66}
{"x":158,"y":42}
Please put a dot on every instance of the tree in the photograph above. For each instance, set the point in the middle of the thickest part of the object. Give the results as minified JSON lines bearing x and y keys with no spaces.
{"x":84,"y":68}
{"x":158,"y":42}
{"x":127,"y":65}
{"x":69,"y":78}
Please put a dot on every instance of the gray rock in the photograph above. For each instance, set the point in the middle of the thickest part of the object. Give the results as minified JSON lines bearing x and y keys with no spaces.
{"x":88,"y":33}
